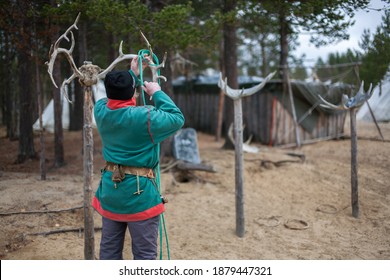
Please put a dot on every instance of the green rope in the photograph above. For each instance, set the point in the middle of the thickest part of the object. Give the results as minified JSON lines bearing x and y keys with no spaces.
{"x":162,"y":225}
{"x":141,"y":58}
{"x":162,"y":219}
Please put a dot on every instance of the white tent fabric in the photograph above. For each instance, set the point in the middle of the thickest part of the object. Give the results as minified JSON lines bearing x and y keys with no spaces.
{"x":99,"y":92}
{"x":379,"y":103}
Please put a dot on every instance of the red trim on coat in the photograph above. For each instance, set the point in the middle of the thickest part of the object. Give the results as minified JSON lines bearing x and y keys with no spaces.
{"x":149,"y":125}
{"x":116,"y":104}
{"x":140,"y":216}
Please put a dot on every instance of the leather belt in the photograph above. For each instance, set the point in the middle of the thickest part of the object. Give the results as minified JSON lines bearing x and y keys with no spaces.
{"x":120,"y":170}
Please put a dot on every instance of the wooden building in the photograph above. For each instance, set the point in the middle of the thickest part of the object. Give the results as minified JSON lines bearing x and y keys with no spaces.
{"x":267,"y":115}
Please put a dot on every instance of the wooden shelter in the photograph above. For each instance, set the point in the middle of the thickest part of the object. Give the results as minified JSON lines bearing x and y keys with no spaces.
{"x":267,"y":115}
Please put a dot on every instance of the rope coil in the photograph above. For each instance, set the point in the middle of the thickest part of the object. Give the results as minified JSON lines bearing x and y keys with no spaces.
{"x":162,"y":226}
{"x":141,"y":57}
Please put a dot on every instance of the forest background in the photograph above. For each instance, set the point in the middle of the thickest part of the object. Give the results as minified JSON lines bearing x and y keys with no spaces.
{"x":234,"y":37}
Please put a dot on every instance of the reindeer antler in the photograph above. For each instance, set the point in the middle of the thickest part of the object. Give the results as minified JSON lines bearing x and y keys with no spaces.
{"x":120,"y":58}
{"x":147,"y":43}
{"x":245,"y":146}
{"x":360,"y":97}
{"x":153,"y":67}
{"x":238,"y":93}
{"x":348,"y":103}
{"x":55,"y":50}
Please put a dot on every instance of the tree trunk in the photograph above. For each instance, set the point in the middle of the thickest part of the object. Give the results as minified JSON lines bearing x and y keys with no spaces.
{"x":283,"y":49}
{"x":76,"y":109}
{"x":264,"y":60}
{"x":221,"y":101}
{"x":57,"y":105}
{"x":231,"y":72}
{"x":27,"y":100}
{"x":26,"y":109}
{"x":284,"y":32}
{"x":58,"y":126}
{"x":111,"y":53}
{"x":9,"y":94}
{"x":42,"y":162}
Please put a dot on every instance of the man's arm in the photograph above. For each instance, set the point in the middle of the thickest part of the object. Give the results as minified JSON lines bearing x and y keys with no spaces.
{"x":166,"y":118}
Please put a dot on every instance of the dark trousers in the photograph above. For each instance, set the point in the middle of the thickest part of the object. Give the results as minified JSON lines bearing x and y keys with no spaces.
{"x":143,"y":239}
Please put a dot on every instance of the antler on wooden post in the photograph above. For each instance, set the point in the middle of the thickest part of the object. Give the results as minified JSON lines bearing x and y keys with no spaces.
{"x":349,"y":103}
{"x":55,"y":50}
{"x":352,"y":104}
{"x":87,"y":75}
{"x":236,"y":95}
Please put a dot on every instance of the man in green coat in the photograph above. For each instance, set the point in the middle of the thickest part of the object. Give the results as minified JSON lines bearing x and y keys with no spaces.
{"x":128,"y":196}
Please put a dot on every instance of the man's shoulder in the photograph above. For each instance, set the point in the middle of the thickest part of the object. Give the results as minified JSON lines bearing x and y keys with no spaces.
{"x":101,"y":101}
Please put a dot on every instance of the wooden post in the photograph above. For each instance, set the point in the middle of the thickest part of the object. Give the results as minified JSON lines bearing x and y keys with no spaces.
{"x":221,"y":103}
{"x":89,"y":234}
{"x":42,"y":158}
{"x":240,"y":219}
{"x":354,"y":167}
{"x":237,"y":96}
{"x":290,"y":93}
{"x":374,"y":119}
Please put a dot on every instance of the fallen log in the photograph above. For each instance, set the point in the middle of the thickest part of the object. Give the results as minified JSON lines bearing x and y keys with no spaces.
{"x":40,"y":211}
{"x":185,"y":166}
{"x":266,"y":163}
{"x":64,"y":230}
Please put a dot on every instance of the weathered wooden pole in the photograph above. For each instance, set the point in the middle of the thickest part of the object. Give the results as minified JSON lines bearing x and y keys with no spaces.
{"x":374,"y":119}
{"x":290,"y":94}
{"x":352,"y":104}
{"x":221,"y":103}
{"x":237,"y":96}
{"x":89,"y":233}
{"x":354,"y":167}
{"x":90,"y":73}
{"x":239,"y":168}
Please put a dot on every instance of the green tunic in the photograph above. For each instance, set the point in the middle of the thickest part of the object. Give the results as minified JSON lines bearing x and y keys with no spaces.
{"x":130,"y":137}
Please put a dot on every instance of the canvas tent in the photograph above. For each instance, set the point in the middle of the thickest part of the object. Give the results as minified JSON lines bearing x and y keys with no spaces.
{"x":379,"y":103}
{"x":48,"y":113}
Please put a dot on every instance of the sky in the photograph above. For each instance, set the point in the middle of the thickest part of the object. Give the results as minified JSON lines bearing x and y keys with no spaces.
{"x":363,"y":20}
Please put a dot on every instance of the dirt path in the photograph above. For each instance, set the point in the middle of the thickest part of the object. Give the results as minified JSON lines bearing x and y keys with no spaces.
{"x":296,"y":210}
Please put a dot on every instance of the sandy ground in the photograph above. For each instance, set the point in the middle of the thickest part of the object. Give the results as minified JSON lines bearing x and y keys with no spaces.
{"x":293,"y":210}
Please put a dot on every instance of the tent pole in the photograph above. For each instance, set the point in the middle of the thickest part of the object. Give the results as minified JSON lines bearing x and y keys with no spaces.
{"x":374,"y":118}
{"x":354,"y":171}
{"x":290,"y":93}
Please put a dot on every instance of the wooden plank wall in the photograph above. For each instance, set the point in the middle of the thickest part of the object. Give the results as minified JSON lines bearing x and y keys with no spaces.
{"x":264,"y":116}
{"x":200,"y":109}
{"x":328,"y":126}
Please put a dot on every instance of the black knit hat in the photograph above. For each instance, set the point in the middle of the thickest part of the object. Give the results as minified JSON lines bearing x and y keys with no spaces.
{"x":119,"y":85}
